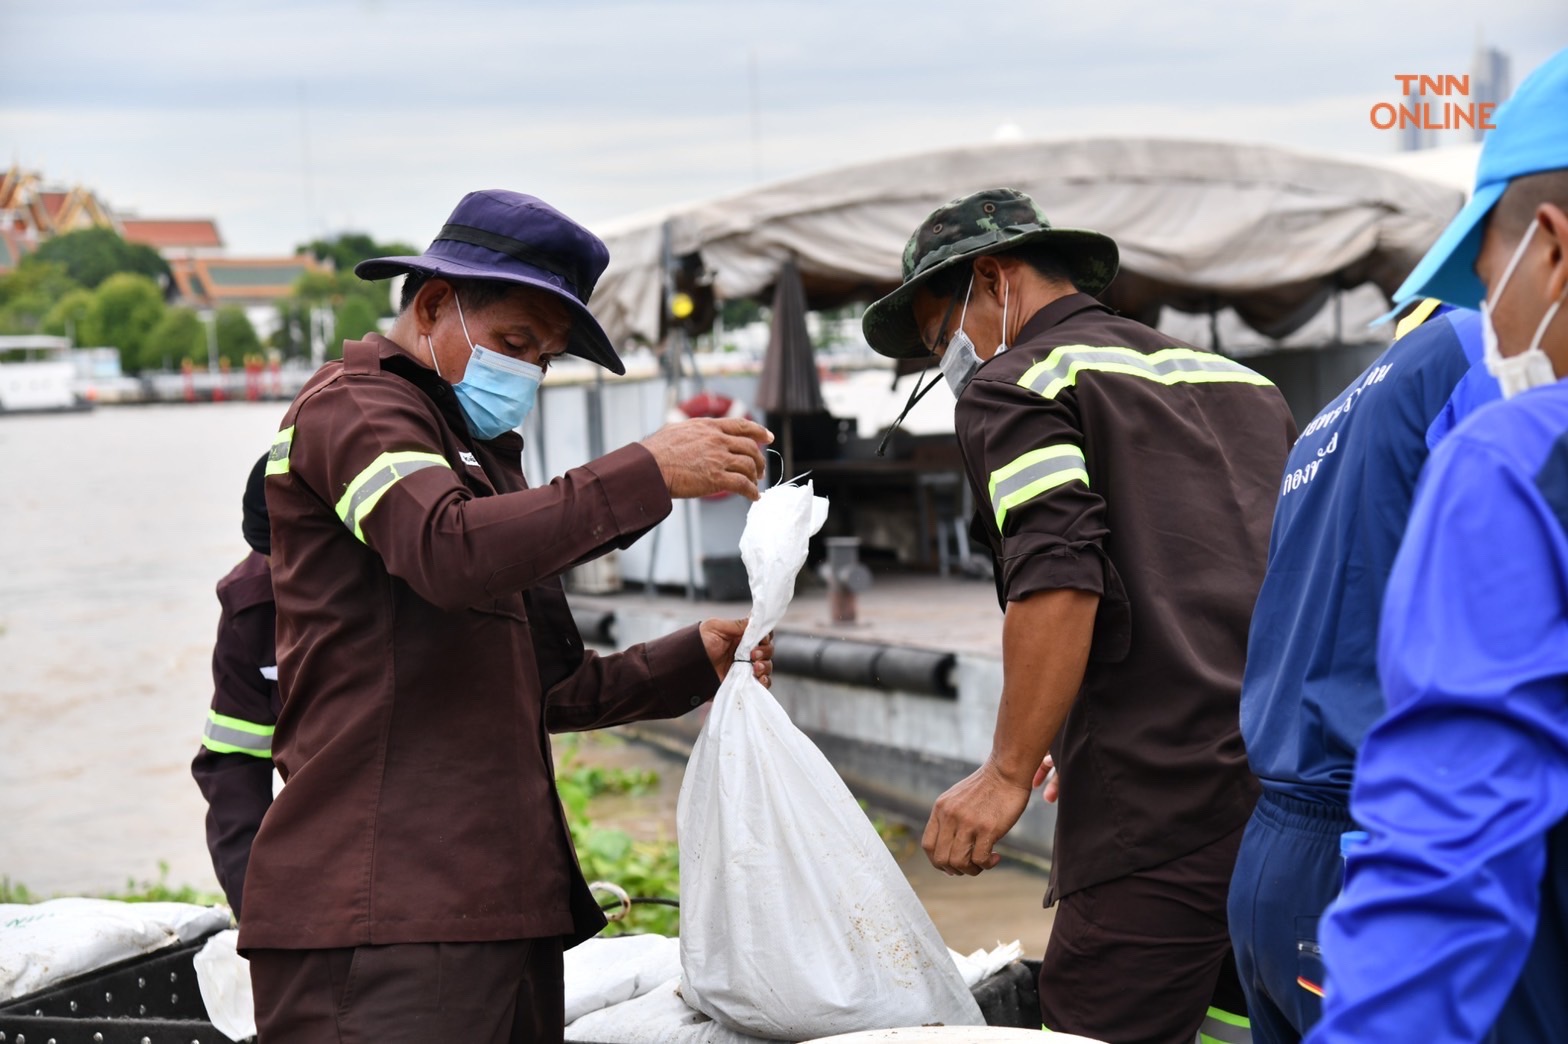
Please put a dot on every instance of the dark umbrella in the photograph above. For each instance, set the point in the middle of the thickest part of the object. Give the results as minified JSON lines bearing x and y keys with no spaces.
{"x":789,"y":386}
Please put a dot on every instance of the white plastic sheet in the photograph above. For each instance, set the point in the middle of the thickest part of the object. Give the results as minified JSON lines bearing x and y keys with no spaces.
{"x":604,"y":972}
{"x":795,"y":920}
{"x":659,"y":1016}
{"x":982,"y":964}
{"x":44,"y":943}
{"x":223,"y":977}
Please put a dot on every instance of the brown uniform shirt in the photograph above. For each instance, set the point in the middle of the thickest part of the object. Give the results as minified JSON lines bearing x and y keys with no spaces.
{"x":1107,"y":457}
{"x":424,"y":648}
{"x":233,"y":768}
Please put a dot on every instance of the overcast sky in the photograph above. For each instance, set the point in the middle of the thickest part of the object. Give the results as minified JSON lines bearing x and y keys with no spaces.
{"x":285,"y":119}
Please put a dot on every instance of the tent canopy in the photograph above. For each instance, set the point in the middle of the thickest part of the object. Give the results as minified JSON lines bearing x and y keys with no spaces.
{"x":1202,"y":226}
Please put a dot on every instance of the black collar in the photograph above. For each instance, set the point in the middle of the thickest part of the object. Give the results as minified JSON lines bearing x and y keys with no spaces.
{"x":1055,"y":313}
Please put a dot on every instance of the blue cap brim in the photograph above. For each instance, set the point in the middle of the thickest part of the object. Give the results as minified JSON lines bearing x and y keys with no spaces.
{"x":1447,"y":272}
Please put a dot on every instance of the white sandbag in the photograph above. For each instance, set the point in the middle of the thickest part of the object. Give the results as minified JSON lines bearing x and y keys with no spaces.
{"x":603,"y":972}
{"x":45,"y":943}
{"x":982,"y":964}
{"x":795,"y":920}
{"x":658,"y":1017}
{"x":223,"y":977}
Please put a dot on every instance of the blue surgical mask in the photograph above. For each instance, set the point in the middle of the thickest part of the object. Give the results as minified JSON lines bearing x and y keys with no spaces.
{"x":497,"y":391}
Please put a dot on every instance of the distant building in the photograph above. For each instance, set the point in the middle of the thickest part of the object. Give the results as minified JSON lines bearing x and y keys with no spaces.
{"x":1491,"y":81}
{"x":254,"y":284}
{"x":174,"y":237}
{"x":204,"y":279}
{"x":31,"y":212}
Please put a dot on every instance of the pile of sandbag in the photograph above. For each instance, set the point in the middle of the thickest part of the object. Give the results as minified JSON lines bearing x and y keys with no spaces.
{"x":45,"y":943}
{"x":628,"y":990}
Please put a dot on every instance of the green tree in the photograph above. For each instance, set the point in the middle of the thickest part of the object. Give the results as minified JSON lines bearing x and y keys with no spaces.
{"x":126,"y":308}
{"x":347,"y":249}
{"x":74,"y":316}
{"x":355,"y":305}
{"x":92,"y":255}
{"x":236,"y":337}
{"x":29,"y":292}
{"x":179,"y":335}
{"x":353,"y":320}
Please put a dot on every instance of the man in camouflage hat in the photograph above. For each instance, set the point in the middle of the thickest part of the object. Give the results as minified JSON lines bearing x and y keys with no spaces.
{"x":1127,"y":483}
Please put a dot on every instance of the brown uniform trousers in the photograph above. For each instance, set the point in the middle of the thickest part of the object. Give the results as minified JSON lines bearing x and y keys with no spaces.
{"x":411,"y":993}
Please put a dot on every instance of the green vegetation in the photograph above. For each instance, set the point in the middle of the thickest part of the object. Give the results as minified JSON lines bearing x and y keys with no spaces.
{"x":27,"y":294}
{"x":348,"y":249}
{"x":353,"y":319}
{"x":236,"y":337}
{"x":646,"y":869}
{"x":126,"y":308}
{"x":16,"y":892}
{"x":97,"y":289}
{"x":356,"y":305}
{"x":92,"y":255}
{"x":159,"y":891}
{"x":179,"y":335}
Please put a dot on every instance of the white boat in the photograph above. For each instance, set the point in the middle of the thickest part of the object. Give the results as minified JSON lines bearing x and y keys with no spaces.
{"x":36,"y":375}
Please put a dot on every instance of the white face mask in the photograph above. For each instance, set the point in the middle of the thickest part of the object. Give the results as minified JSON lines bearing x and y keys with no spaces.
{"x":1531,"y":368}
{"x":960,"y":360}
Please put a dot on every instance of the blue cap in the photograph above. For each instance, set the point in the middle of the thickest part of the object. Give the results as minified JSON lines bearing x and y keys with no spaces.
{"x":1530,"y":135}
{"x":513,"y":238}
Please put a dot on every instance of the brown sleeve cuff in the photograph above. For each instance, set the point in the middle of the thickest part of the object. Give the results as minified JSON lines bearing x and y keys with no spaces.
{"x":633,"y":488}
{"x":682,"y":675}
{"x":1084,"y":568}
{"x":1057,"y":569}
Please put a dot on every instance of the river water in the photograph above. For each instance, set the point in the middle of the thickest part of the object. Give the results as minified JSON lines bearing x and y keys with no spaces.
{"x":115,"y":527}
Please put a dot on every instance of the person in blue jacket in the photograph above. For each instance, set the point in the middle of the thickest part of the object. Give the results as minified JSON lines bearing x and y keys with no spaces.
{"x":1310,"y":689}
{"x":1453,"y":925}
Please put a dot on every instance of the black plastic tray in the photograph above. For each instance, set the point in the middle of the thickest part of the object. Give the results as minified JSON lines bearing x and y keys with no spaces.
{"x":148,"y":999}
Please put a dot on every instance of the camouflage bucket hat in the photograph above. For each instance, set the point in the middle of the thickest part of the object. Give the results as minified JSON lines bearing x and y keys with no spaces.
{"x":995,"y":221}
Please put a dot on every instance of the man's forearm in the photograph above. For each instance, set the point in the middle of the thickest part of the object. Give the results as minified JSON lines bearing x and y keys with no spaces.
{"x":1045,"y":651}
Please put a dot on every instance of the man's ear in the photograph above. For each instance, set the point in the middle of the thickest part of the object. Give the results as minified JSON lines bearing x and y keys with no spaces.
{"x":988,"y":276}
{"x":431,"y":299}
{"x":1554,"y":222}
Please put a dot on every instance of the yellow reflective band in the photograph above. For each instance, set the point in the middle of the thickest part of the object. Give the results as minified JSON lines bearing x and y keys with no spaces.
{"x":1222,"y":1027}
{"x":1418,"y":315}
{"x":371,"y":484}
{"x":226,"y":735}
{"x":278,"y":458}
{"x":1032,"y":474}
{"x":1168,"y":366}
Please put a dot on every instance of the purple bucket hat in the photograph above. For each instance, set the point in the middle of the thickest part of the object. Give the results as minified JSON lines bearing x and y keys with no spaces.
{"x":507,"y":236}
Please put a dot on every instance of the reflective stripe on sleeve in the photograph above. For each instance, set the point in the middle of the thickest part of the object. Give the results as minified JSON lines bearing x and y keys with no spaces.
{"x":1061,"y":368}
{"x":371,"y":484}
{"x":278,"y":458}
{"x":1221,"y":1027}
{"x":226,"y":735}
{"x":1032,"y":474}
{"x":1418,"y":315}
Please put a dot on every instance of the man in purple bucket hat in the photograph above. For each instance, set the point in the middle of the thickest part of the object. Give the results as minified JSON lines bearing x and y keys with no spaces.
{"x":414,"y":880}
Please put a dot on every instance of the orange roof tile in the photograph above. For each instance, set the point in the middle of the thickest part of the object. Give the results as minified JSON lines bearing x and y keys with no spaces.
{"x":163,"y":234}
{"x":240,"y":279}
